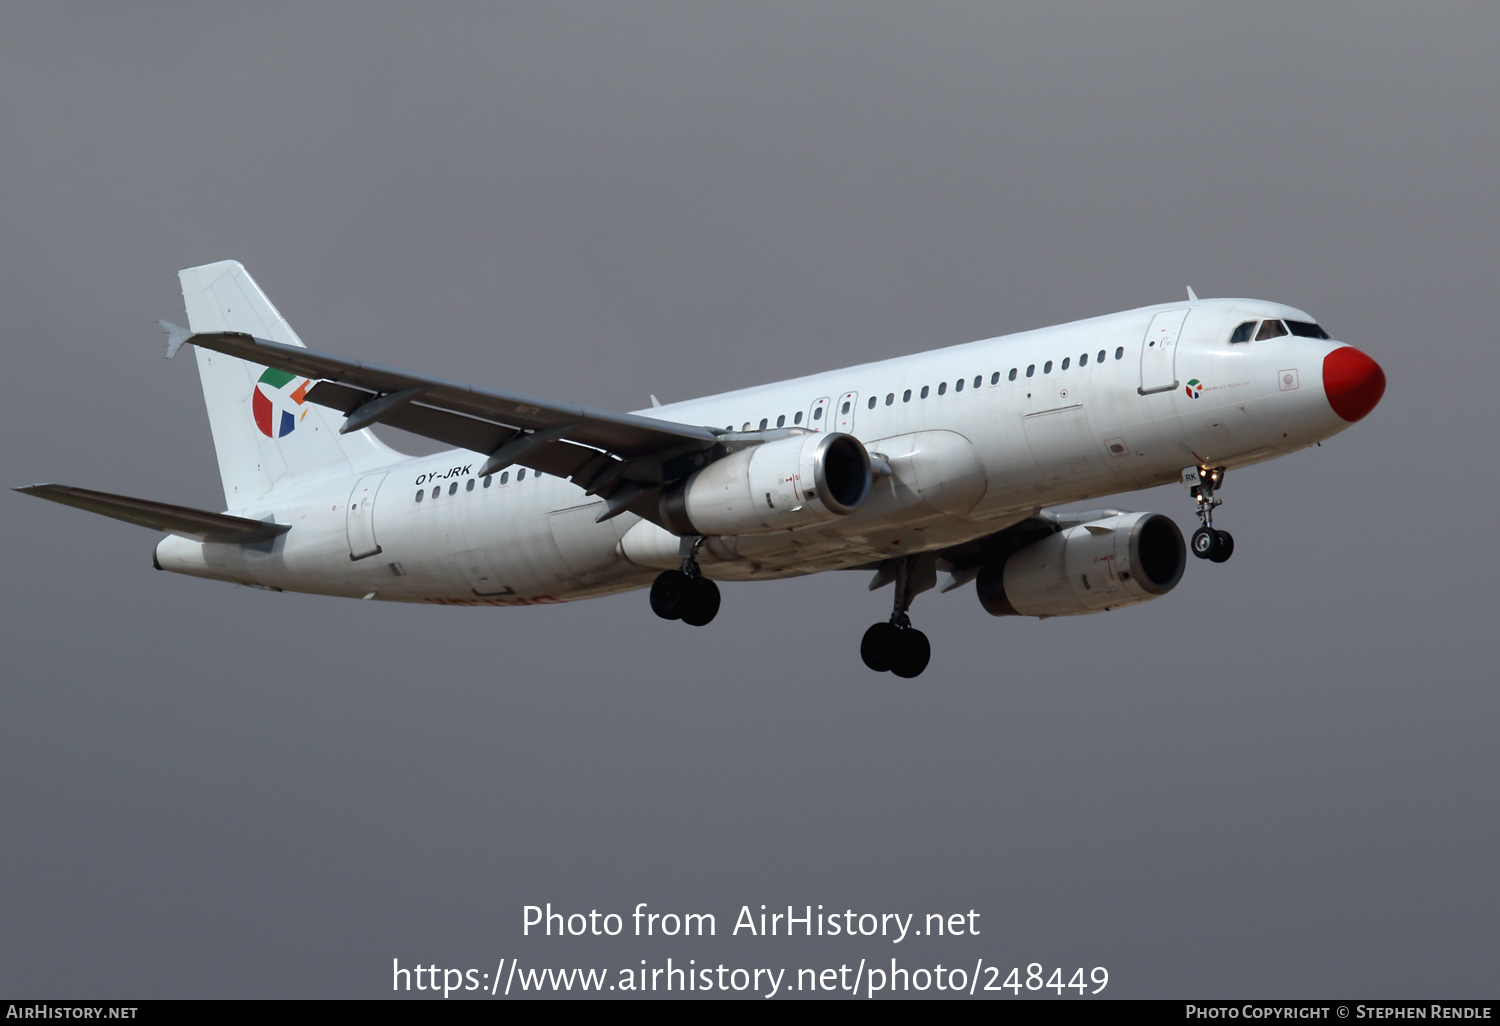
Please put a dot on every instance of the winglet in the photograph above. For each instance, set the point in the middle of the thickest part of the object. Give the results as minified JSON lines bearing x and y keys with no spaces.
{"x":1192,"y":296}
{"x":175,"y":337}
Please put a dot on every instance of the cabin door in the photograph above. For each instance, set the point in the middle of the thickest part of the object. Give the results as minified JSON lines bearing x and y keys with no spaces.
{"x":360,"y":521}
{"x":1159,"y":352}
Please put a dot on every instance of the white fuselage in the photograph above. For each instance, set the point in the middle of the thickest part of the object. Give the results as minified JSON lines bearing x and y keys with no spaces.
{"x":977,"y":437}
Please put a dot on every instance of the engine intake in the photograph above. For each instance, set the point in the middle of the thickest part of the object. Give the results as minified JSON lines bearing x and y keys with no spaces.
{"x":805,"y":479}
{"x":1117,"y":561}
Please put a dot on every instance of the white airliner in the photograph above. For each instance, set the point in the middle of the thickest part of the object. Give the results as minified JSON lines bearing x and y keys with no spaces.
{"x":942,"y":462}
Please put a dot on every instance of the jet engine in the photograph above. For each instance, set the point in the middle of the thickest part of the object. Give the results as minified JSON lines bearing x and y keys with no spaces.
{"x":1117,"y":561}
{"x":791,"y":482}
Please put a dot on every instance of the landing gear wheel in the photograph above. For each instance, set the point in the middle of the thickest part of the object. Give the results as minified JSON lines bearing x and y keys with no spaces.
{"x":703,"y":602}
{"x":1223,"y":546}
{"x":896,"y":646}
{"x":1208,"y":543}
{"x":1205,"y":541}
{"x":911,"y":658}
{"x":670,"y":594}
{"x":879,"y":645}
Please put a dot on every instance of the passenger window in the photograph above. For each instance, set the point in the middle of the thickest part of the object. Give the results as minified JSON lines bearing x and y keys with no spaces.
{"x":890,"y":397}
{"x":995,"y":377}
{"x":906,"y":396}
{"x":1270,"y":329}
{"x":1100,"y":357}
{"x":521,"y":474}
{"x":781,"y":420}
{"x":958,"y":386}
{"x":746,"y":427}
{"x":505,"y":477}
{"x":437,"y":491}
{"x":980,"y":377}
{"x":872,"y":402}
{"x":818,"y":413}
{"x":1120,"y":353}
{"x":762,"y":423}
{"x":797,"y":419}
{"x":1012,"y":374}
{"x":1083,"y":359}
{"x":845,"y":408}
{"x":1242,"y":333}
{"x":1047,"y":367}
{"x":942,"y":387}
{"x":470,"y":486}
{"x":1065,"y":362}
{"x":488,"y":480}
{"x":924,"y":391}
{"x":421,"y":495}
{"x":453,"y":488}
{"x":1306,"y":329}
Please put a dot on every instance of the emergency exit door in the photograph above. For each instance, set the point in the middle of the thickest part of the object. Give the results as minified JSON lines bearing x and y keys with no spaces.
{"x":843,"y":414}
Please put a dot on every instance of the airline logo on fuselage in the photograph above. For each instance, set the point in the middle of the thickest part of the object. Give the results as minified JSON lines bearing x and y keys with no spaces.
{"x":278,"y":409}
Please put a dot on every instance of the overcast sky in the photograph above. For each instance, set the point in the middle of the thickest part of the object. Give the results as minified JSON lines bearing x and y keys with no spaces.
{"x":1278,"y":781}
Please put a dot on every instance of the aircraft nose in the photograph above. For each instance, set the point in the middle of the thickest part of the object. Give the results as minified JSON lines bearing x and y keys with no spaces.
{"x":1353,"y":381}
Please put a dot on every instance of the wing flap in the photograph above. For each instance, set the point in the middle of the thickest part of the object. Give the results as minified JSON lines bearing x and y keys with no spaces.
{"x":200,"y":525}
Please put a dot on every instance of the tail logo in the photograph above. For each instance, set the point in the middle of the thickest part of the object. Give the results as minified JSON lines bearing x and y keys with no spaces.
{"x":277,"y":410}
{"x":1194,"y":388}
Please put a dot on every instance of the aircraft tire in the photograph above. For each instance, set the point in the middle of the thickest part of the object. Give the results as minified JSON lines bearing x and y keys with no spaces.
{"x":1204,"y":542}
{"x":913,"y":655}
{"x":670,"y":594}
{"x":879,"y":645}
{"x":702,"y":602}
{"x":1223,"y":546}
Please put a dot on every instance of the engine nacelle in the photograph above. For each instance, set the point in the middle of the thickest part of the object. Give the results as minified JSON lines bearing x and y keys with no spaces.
{"x":791,"y":482}
{"x":1117,"y":561}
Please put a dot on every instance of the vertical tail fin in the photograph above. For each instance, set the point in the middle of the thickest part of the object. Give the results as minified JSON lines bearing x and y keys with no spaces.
{"x":265,"y":432}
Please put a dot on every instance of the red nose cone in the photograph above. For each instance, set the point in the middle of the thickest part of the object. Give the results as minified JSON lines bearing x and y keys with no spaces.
{"x":1353,"y":381}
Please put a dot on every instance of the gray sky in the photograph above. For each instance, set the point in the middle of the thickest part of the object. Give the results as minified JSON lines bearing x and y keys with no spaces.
{"x":1279,"y":780}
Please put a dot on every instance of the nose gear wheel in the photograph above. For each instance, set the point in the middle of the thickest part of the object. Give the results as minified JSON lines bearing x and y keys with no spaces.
{"x":1208,"y":542}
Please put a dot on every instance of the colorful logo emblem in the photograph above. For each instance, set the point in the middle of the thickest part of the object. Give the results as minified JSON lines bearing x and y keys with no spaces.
{"x":276,"y":409}
{"x":1194,"y":388}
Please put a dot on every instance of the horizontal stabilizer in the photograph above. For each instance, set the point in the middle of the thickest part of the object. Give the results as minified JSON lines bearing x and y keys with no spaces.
{"x":200,"y":525}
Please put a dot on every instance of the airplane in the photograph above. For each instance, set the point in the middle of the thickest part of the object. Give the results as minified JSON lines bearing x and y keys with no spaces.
{"x":947,"y":461}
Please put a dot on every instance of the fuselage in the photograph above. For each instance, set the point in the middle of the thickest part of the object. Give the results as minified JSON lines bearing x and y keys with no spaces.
{"x":976,"y":437}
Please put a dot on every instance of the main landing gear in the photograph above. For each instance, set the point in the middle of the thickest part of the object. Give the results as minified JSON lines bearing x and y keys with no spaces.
{"x":896,"y":645}
{"x":1207,"y":542}
{"x":686,"y":594}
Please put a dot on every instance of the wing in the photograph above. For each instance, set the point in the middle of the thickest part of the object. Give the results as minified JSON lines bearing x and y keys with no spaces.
{"x":620,"y":456}
{"x":200,"y":525}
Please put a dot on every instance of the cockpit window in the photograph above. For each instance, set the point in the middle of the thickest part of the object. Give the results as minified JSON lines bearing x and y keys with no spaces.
{"x":1270,"y":329}
{"x":1306,"y":329}
{"x":1243,"y":332}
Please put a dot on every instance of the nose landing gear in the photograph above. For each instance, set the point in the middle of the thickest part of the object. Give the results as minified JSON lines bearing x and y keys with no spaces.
{"x":685,"y":594}
{"x":1207,"y":542}
{"x":895,"y":645}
